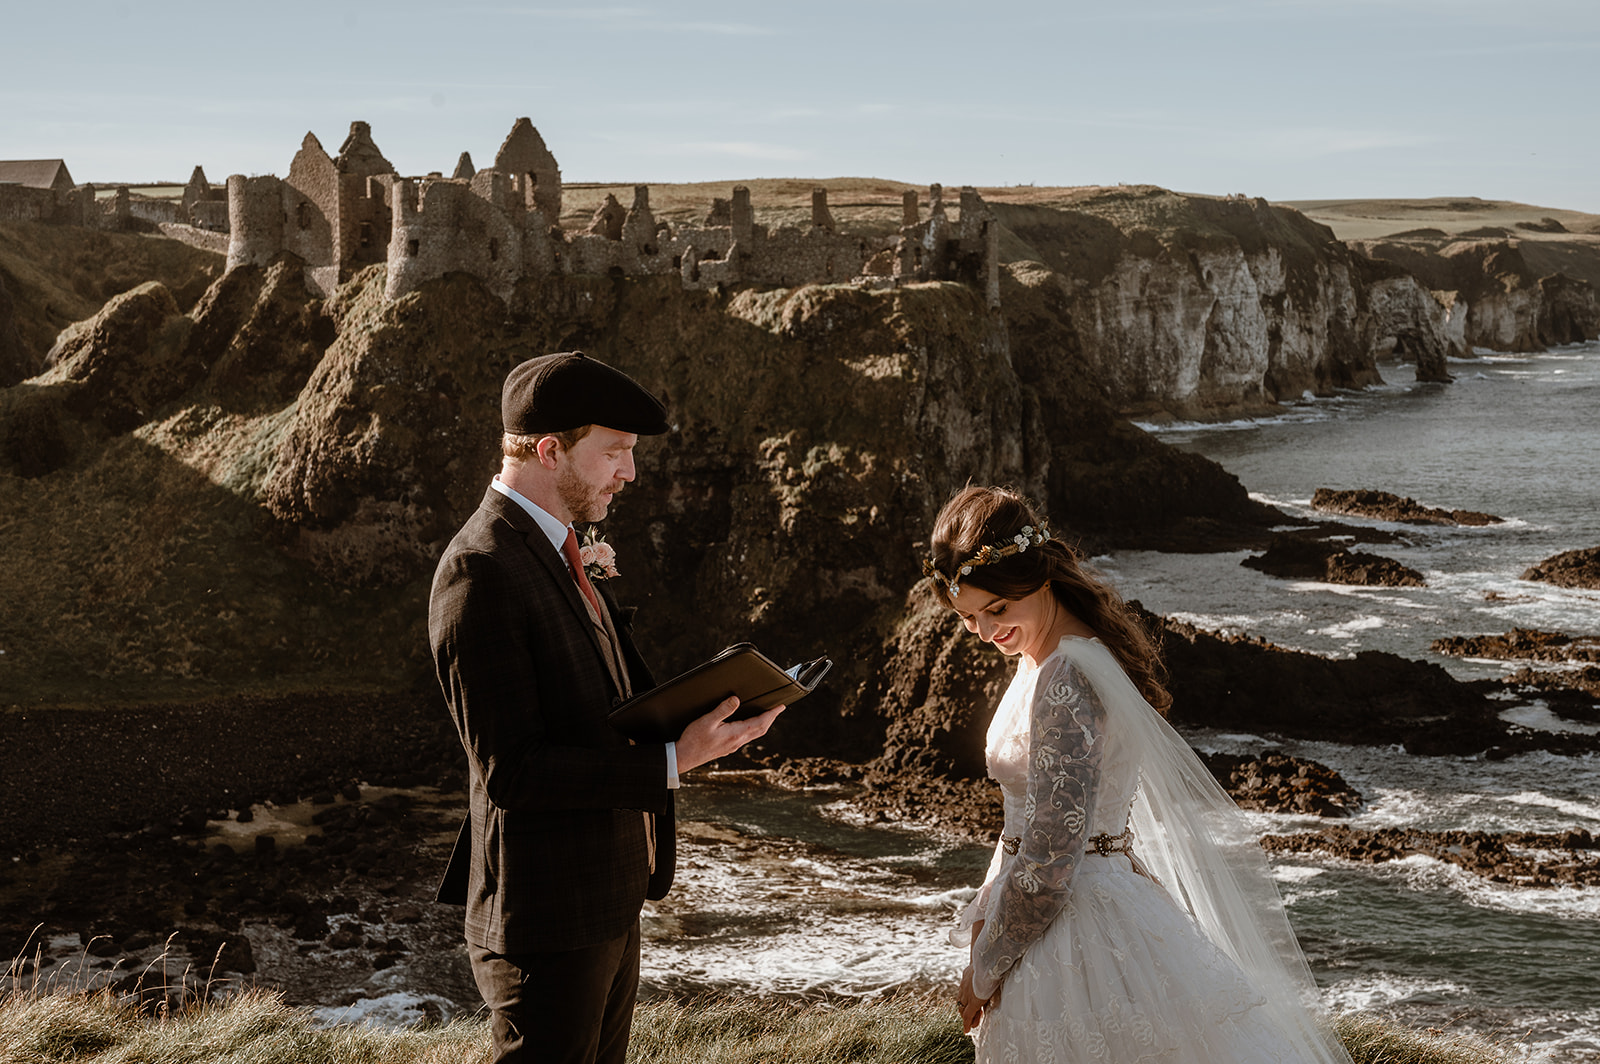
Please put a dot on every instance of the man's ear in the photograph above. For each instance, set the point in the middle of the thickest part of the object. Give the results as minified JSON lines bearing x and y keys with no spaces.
{"x":548,"y":449}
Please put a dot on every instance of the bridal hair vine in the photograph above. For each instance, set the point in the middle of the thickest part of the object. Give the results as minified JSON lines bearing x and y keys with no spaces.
{"x":599,"y":558}
{"x":988,"y":554}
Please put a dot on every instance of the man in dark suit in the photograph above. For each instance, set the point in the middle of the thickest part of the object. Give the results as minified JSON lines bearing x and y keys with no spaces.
{"x":571,"y":825}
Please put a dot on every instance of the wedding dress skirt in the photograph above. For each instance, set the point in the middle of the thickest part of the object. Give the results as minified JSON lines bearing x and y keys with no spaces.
{"x":1121,"y":976}
{"x":1187,"y":960}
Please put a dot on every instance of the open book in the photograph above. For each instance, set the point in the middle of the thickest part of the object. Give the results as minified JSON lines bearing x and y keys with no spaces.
{"x":660,"y":714}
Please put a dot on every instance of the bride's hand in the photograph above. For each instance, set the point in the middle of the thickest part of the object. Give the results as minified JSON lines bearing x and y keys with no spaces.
{"x":968,"y":1003}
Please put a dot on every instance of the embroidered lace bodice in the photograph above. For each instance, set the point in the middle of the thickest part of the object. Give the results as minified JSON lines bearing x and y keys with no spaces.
{"x":1064,"y":779}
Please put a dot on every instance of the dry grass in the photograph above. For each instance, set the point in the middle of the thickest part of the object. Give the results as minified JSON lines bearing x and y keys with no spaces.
{"x":45,"y":1026}
{"x":1373,"y":1041}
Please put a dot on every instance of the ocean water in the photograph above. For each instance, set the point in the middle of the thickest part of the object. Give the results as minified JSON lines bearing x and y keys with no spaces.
{"x":786,"y":894}
{"x":1515,"y":436}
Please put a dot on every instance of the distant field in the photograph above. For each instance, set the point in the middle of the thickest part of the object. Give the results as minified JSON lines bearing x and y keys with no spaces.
{"x":160,"y":190}
{"x":1371,"y":219}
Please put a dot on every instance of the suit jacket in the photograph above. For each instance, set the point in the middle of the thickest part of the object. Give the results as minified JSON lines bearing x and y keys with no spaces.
{"x":553,"y":855}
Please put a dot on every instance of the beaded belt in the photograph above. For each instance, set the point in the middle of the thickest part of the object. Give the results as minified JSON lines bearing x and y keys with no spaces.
{"x":1106,"y":845}
{"x":1102,"y":844}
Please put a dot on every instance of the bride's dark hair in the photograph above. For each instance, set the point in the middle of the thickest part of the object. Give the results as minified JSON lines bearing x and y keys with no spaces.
{"x":977,"y":516}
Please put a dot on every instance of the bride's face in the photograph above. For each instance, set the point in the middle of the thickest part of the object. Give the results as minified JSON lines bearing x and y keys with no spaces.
{"x":1015,"y":626}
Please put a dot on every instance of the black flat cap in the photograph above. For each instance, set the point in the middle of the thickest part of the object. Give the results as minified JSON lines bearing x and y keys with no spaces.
{"x":554,"y":393}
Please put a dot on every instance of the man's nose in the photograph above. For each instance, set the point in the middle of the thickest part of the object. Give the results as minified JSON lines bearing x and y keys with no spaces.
{"x":625,"y":469}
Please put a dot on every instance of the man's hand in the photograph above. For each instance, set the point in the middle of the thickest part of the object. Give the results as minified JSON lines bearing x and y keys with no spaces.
{"x":713,"y":735}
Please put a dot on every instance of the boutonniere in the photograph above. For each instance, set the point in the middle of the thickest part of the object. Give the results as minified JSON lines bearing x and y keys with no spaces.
{"x":599,"y":558}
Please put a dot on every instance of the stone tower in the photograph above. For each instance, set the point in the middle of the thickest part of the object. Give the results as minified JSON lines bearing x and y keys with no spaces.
{"x":532,"y":169}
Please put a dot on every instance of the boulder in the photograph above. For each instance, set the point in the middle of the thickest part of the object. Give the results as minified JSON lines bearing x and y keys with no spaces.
{"x":122,"y":365}
{"x":1277,"y":783}
{"x":1573,"y":568}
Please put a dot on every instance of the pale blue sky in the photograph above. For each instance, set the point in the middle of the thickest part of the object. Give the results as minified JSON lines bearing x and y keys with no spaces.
{"x":1288,"y":99}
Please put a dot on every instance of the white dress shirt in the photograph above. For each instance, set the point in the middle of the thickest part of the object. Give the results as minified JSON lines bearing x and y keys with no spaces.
{"x":556,"y":532}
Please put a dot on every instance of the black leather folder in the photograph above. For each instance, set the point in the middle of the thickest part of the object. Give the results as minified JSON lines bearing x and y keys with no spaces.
{"x":660,"y":714}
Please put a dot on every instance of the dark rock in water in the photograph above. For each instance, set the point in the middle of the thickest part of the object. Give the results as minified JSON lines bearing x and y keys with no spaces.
{"x":1275,"y":783}
{"x":1251,"y":685}
{"x":1521,"y":644}
{"x":1573,"y":694}
{"x":1520,"y":858}
{"x":1385,"y":506}
{"x":1573,"y":568}
{"x":1298,"y":557}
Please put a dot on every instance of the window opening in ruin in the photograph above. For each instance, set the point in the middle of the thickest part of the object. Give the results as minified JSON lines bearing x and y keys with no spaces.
{"x":494,"y":249}
{"x":366,"y":234}
{"x":677,"y":262}
{"x":411,"y":248}
{"x":710,"y":256}
{"x":303,"y":215}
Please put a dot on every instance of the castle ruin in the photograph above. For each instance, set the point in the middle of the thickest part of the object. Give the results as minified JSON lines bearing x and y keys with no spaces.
{"x":342,"y":213}
{"x":42,"y":190}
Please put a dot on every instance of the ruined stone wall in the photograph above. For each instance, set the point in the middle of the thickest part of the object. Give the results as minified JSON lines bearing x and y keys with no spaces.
{"x":210,"y":214}
{"x":19,"y":203}
{"x":310,"y":206}
{"x":156,"y":211}
{"x":441,"y":226}
{"x":792,"y":256}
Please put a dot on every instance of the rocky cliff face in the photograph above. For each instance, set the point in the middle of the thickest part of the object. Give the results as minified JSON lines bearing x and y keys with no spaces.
{"x":1197,"y":306}
{"x":1491,"y":297}
{"x":816,"y":432}
{"x":262,"y":484}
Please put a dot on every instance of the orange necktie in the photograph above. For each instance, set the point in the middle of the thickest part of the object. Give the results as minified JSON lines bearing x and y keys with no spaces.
{"x":570,"y":549}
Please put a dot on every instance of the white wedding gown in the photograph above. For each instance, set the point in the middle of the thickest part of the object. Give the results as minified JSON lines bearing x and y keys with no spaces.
{"x":1096,"y":961}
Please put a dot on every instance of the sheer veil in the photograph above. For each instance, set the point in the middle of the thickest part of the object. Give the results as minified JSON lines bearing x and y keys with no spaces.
{"x":1192,"y":838}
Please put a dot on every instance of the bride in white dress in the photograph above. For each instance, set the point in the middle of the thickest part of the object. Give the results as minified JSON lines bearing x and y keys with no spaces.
{"x":1128,"y":914}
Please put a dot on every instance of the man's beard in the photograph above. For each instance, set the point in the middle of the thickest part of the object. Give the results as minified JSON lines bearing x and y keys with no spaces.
{"x":582,"y":500}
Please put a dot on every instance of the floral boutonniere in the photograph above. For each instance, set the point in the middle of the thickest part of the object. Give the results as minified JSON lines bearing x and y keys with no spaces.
{"x":599,"y":558}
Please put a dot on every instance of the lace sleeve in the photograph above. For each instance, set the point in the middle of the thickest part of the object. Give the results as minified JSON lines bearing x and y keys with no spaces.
{"x":1065,"y":741}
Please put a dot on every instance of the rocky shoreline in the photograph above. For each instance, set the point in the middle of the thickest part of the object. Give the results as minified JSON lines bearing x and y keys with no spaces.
{"x":1518,"y":858}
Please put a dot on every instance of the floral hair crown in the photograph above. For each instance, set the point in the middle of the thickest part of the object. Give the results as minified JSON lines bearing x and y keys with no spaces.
{"x":988,"y":554}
